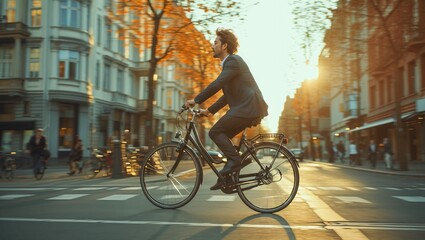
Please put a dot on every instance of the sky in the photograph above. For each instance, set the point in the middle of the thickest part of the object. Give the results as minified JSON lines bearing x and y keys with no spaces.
{"x":268,"y":45}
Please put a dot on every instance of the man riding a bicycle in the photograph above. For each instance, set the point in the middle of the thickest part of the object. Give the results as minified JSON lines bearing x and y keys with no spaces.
{"x":240,"y":91}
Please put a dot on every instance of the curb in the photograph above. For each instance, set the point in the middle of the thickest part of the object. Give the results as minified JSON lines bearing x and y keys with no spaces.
{"x":388,"y":172}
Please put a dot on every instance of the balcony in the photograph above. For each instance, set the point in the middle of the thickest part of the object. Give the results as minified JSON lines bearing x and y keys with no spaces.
{"x":12,"y":87}
{"x":141,"y":68}
{"x":14,"y":29}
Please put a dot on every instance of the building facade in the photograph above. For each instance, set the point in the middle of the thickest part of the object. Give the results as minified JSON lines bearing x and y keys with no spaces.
{"x":65,"y":68}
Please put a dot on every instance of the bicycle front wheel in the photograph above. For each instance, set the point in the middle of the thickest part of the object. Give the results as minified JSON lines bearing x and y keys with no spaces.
{"x":165,"y":187}
{"x":270,"y":180}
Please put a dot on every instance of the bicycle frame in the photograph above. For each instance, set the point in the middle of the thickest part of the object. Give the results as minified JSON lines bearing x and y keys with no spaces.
{"x":197,"y":144}
{"x":247,"y":143}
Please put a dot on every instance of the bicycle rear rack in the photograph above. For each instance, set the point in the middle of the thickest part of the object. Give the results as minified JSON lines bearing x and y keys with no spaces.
{"x":271,"y":136}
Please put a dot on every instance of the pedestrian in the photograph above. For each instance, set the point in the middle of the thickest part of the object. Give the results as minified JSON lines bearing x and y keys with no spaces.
{"x":341,"y":151}
{"x":352,"y":151}
{"x":331,"y":152}
{"x":372,"y":153}
{"x":388,"y":153}
{"x":75,"y":157}
{"x":240,"y":92}
{"x":37,"y":147}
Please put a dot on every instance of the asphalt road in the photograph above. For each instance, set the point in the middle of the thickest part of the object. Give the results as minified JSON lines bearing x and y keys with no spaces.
{"x":332,"y":203}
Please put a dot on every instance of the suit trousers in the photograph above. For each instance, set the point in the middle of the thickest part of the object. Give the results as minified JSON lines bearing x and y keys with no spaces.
{"x":224,"y":130}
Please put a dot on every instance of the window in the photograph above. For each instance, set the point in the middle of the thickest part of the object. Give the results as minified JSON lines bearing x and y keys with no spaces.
{"x":27,"y":108}
{"x":372,"y":99}
{"x":120,"y":80}
{"x":36,"y":13}
{"x":121,"y":41}
{"x":411,"y":77}
{"x":70,"y":13}
{"x":108,"y":34}
{"x":381,"y":93}
{"x":390,"y":91}
{"x":400,"y":81}
{"x":69,"y":64}
{"x":11,"y":11}
{"x":6,"y":62}
{"x":99,"y":31}
{"x":97,"y":81}
{"x":107,"y":77}
{"x":423,"y":70}
{"x":68,"y":115}
{"x":34,"y":62}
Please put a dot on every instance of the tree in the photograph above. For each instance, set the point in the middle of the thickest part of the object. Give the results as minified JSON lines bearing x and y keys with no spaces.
{"x":160,"y":25}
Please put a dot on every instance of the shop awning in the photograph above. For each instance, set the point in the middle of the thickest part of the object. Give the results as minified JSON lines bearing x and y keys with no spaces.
{"x":381,"y":122}
{"x":373,"y":124}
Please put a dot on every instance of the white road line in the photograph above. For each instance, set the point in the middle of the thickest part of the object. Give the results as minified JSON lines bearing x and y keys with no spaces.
{"x":131,"y":188}
{"x":331,"y":188}
{"x":393,"y":188}
{"x":14,"y":196}
{"x":67,"y":197}
{"x":353,"y":188}
{"x":188,"y":224}
{"x":118,"y":197}
{"x":350,"y":199}
{"x":88,"y":188}
{"x":370,"y":188}
{"x":411,"y":198}
{"x":220,"y":198}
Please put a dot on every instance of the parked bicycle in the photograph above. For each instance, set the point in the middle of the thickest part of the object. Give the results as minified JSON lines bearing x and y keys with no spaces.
{"x":101,"y":162}
{"x":172,"y":172}
{"x":8,"y":164}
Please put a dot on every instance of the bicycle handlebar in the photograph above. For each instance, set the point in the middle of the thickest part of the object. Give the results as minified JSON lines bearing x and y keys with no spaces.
{"x":189,"y":109}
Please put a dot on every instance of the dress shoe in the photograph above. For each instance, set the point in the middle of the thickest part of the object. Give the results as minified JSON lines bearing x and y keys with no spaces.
{"x":231,"y":166}
{"x":217,"y":185}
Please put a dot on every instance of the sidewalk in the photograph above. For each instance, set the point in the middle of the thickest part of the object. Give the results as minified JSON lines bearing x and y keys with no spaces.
{"x":415,"y":168}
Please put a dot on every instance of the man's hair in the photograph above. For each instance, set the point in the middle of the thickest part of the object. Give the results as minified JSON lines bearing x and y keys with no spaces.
{"x":227,"y":36}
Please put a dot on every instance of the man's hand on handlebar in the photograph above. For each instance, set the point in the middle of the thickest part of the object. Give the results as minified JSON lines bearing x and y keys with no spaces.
{"x":190,"y":103}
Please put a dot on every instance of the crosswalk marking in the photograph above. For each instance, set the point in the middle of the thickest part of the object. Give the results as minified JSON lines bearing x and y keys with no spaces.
{"x":118,"y":197}
{"x":31,"y":189}
{"x":14,"y":196}
{"x":131,"y":188}
{"x":67,"y":197}
{"x":349,"y":199}
{"x":220,"y":198}
{"x":411,"y":198}
{"x":88,"y":188}
{"x":393,"y":188}
{"x":331,"y":188}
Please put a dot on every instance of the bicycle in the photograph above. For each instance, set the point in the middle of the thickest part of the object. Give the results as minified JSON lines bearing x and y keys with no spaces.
{"x":8,"y":165}
{"x":171,"y":173}
{"x":101,"y":161}
{"x":40,"y":165}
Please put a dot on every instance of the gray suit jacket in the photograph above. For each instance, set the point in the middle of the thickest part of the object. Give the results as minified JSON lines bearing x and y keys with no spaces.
{"x":240,"y":91}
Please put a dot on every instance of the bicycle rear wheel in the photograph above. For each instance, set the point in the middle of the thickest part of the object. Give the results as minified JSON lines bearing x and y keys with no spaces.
{"x":167,"y":189}
{"x":264,"y":187}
